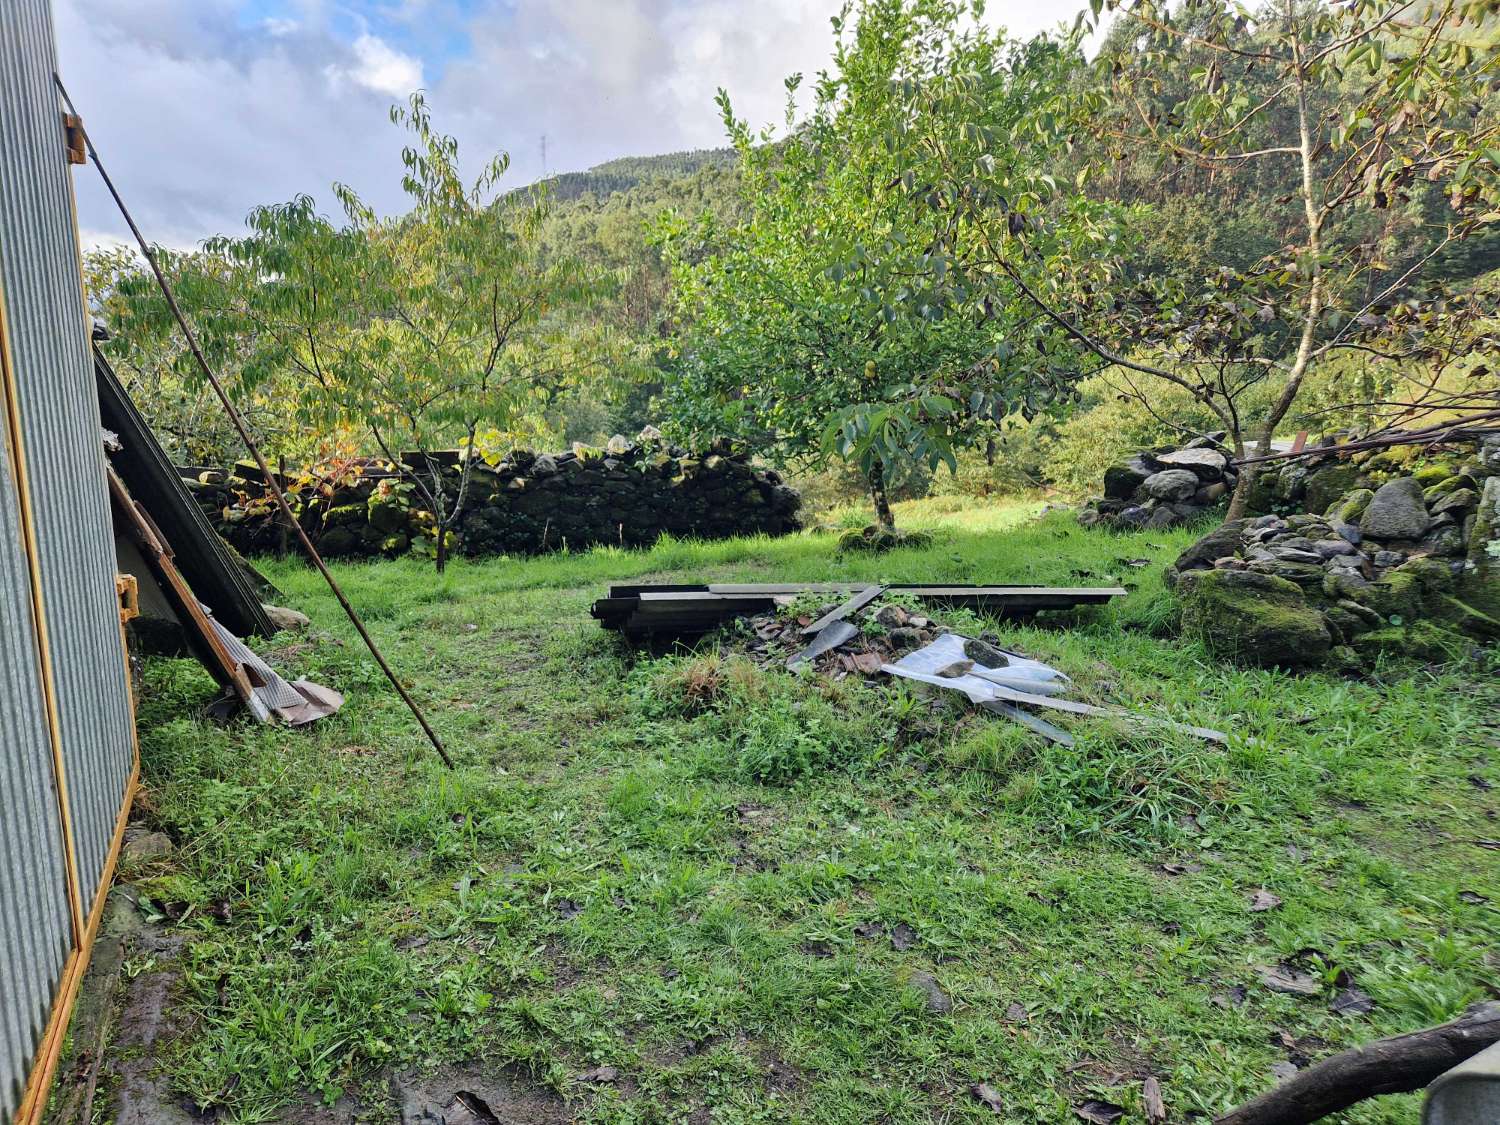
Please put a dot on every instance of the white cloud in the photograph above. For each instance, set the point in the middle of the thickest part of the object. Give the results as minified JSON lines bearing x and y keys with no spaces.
{"x":380,"y":67}
{"x":201,"y":117}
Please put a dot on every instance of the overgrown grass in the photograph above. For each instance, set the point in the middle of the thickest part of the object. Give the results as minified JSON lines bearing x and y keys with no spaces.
{"x":690,"y":867}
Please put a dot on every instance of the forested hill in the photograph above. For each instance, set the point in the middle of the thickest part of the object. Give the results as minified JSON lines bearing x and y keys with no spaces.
{"x":628,"y":171}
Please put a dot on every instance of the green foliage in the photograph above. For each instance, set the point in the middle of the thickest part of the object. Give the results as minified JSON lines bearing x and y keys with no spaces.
{"x":823,"y":325}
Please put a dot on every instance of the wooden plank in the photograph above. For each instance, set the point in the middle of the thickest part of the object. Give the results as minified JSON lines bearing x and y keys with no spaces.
{"x":853,"y":605}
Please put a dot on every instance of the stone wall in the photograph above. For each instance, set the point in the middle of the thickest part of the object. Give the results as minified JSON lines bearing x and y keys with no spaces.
{"x":1378,"y":552}
{"x":1163,"y":487}
{"x":626,"y":494}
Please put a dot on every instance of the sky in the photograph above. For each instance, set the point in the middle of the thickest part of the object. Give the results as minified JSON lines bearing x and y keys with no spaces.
{"x":202,"y":109}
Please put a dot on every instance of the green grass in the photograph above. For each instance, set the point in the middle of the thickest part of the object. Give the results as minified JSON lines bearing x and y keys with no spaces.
{"x":665,"y":865}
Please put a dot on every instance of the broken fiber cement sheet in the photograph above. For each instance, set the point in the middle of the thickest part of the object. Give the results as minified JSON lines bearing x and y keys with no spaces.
{"x":1022,"y":680}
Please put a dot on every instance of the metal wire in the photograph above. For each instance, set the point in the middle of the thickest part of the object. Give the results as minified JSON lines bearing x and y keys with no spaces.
{"x":244,"y":432}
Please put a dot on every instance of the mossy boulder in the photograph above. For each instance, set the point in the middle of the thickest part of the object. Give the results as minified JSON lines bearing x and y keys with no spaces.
{"x":346,"y":515}
{"x":1415,"y":587}
{"x":1261,"y":495}
{"x":1433,"y":473}
{"x":1420,"y":640}
{"x":1479,"y":588}
{"x":1253,"y":618}
{"x":386,"y":514}
{"x":1328,"y":484}
{"x":1351,"y":507}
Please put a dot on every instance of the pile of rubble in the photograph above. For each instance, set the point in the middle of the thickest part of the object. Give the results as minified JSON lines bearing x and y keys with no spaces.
{"x":907,"y":645}
{"x":1163,"y":487}
{"x":1406,"y":566}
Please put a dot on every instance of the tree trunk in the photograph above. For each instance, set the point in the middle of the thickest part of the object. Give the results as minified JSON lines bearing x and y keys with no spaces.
{"x":883,"y":515}
{"x":442,"y":549}
{"x":1387,"y":1066}
{"x":1239,"y":499}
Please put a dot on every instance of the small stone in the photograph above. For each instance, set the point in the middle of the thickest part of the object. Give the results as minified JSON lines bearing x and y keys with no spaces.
{"x":1296,"y":555}
{"x":937,"y":1000}
{"x":891,"y":616}
{"x":1349,"y":532}
{"x":286,"y":619}
{"x":1332,"y":548}
{"x":141,"y":845}
{"x":1262,"y":901}
{"x":1384,"y":559}
{"x":1293,"y":982}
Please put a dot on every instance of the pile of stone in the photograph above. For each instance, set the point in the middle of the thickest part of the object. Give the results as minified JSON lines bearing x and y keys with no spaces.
{"x":626,"y":494}
{"x":1163,"y":487}
{"x":1405,"y":566}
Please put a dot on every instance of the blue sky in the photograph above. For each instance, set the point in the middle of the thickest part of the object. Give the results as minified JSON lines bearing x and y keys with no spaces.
{"x":203,"y":109}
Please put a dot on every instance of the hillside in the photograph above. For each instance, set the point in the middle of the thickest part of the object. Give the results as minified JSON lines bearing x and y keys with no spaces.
{"x":622,"y":174}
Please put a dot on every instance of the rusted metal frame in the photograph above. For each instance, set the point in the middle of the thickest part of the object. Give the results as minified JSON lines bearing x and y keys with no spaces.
{"x":158,"y":556}
{"x":242,"y":429}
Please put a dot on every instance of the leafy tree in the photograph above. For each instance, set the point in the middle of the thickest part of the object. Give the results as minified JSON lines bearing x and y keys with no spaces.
{"x":823,"y":325}
{"x":440,"y":328}
{"x":1360,"y":114}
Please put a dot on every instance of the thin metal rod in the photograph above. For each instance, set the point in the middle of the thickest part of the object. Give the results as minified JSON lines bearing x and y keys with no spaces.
{"x":1459,"y":429}
{"x":239,"y":424}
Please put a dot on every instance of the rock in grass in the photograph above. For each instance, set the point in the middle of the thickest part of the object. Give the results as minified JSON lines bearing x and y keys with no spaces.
{"x":286,"y":619}
{"x":937,"y":1000}
{"x":1253,"y":618}
{"x":1396,"y":511}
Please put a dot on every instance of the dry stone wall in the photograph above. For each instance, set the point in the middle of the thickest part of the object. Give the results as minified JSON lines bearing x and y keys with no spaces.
{"x":1396,"y":552}
{"x":1163,"y":487}
{"x":628,"y":493}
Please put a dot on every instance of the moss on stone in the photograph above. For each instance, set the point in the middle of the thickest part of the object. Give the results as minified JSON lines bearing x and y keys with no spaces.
{"x":1480,"y":587}
{"x":1352,"y":506}
{"x":1326,"y":485}
{"x":1421,"y":640}
{"x":1254,"y":618}
{"x":1415,"y":587}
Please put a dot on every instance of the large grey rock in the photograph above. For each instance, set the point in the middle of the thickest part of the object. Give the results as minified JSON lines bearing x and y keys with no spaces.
{"x":1396,"y":511}
{"x":1172,"y":484}
{"x":1208,"y":464}
{"x":1221,"y":542}
{"x":1122,"y":479}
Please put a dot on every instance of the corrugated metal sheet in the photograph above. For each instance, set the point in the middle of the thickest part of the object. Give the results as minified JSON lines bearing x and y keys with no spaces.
{"x":35,"y":929}
{"x":64,"y":459}
{"x":59,"y":546}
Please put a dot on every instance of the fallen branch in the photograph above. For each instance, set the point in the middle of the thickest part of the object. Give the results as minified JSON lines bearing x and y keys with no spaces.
{"x":1396,"y":1065}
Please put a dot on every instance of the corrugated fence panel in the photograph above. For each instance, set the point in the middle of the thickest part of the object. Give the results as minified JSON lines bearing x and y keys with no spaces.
{"x":35,"y":928}
{"x":64,"y":459}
